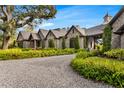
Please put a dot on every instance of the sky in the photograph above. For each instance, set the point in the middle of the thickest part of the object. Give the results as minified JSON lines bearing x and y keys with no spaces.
{"x":83,"y":15}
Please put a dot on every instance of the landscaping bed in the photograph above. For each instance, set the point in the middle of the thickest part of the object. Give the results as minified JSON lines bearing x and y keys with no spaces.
{"x":115,"y":53}
{"x":29,"y":53}
{"x":93,"y":67}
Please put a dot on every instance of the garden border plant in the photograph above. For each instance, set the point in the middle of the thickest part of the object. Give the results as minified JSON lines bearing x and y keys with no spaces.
{"x":101,"y":69}
{"x":18,"y":53}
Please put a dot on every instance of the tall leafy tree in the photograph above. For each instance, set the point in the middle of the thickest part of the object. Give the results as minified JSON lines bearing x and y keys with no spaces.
{"x":107,"y":38}
{"x":13,"y":17}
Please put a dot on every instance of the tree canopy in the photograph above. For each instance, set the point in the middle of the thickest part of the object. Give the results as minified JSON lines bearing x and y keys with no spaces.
{"x":13,"y":17}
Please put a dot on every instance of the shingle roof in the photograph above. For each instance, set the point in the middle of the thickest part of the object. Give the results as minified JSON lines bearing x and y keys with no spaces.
{"x":44,"y":32}
{"x":25,"y":35}
{"x":117,"y":15}
{"x":59,"y":32}
{"x":80,"y":30}
{"x":35,"y":36}
{"x":95,"y":30}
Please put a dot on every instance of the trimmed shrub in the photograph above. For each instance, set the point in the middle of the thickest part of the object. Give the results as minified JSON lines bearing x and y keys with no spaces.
{"x":72,"y":42}
{"x":85,"y":54}
{"x":115,"y":53}
{"x":85,"y":42}
{"x":101,"y":69}
{"x":107,"y":38}
{"x":77,"y":46}
{"x":63,"y":43}
{"x":51,"y":43}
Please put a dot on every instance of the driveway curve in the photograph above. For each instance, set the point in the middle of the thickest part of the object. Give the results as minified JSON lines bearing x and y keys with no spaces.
{"x":47,"y":72}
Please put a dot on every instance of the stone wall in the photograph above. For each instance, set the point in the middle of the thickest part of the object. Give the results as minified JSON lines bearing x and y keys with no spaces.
{"x":115,"y":40}
{"x":51,"y":36}
{"x":122,"y":40}
{"x":26,"y":44}
{"x":118,"y":39}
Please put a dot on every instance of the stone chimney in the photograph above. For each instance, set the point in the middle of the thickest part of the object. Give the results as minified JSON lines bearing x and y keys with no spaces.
{"x":107,"y":18}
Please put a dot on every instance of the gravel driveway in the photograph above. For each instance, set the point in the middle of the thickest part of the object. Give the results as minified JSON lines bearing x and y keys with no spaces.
{"x":43,"y":72}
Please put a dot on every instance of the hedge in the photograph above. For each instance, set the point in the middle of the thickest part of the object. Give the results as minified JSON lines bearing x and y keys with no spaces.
{"x":29,"y":53}
{"x":101,"y":69}
{"x":115,"y":53}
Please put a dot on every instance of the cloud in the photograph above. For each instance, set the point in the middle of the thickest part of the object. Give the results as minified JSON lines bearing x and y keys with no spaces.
{"x":46,"y":24}
{"x":85,"y":16}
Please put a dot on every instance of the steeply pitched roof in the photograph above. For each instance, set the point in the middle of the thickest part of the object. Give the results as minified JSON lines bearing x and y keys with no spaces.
{"x":117,"y":15}
{"x":96,"y":30}
{"x":25,"y":35}
{"x":35,"y":36}
{"x":80,"y":30}
{"x":44,"y":32}
{"x":59,"y":32}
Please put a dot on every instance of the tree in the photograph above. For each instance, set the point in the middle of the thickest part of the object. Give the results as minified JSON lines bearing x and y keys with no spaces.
{"x":63,"y":43}
{"x":107,"y":38}
{"x":14,"y":17}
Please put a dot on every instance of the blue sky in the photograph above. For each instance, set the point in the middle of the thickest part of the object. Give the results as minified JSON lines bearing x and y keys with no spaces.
{"x":83,"y":15}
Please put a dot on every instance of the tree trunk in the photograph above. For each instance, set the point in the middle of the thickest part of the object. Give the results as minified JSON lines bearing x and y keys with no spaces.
{"x":6,"y":40}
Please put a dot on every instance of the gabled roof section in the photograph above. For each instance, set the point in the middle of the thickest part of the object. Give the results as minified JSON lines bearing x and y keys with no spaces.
{"x":25,"y":35}
{"x":96,"y":30}
{"x":80,"y":30}
{"x":44,"y":32}
{"x":58,"y":33}
{"x":35,"y":36}
{"x":117,"y":15}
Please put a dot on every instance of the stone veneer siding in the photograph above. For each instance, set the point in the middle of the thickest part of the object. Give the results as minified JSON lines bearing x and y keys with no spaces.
{"x":118,"y":39}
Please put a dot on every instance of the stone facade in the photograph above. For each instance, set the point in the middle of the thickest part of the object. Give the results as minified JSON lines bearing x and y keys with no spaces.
{"x":57,"y":35}
{"x":73,"y":33}
{"x":51,"y":36}
{"x":117,"y":24}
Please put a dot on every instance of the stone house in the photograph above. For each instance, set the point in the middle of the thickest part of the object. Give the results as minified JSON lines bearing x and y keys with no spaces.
{"x":56,"y":35}
{"x":117,"y":24}
{"x":23,"y":39}
{"x":72,"y":33}
{"x":42,"y":34}
{"x":87,"y":37}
